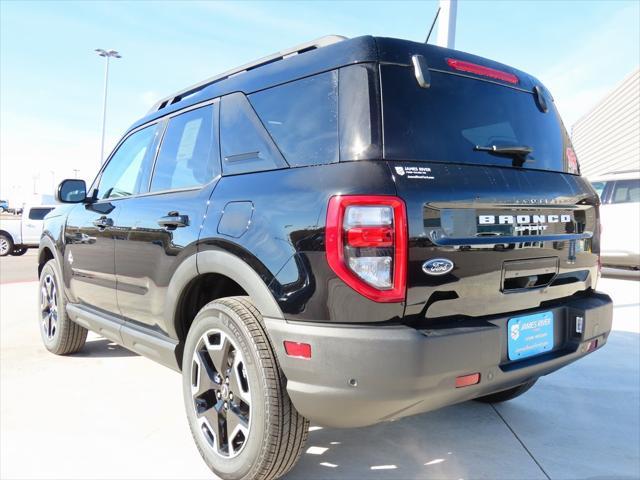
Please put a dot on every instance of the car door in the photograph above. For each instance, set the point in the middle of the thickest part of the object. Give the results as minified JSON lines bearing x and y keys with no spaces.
{"x":158,"y":230}
{"x":620,"y":217}
{"x":32,"y":225}
{"x":91,"y":227}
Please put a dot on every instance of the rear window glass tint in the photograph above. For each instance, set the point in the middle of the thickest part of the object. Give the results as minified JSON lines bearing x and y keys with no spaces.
{"x":302,"y":118}
{"x":38,"y":213}
{"x":360,"y":136}
{"x":626,"y":191}
{"x":447,"y":120}
{"x":245,"y":144}
{"x":599,"y":187}
{"x":187,"y":155}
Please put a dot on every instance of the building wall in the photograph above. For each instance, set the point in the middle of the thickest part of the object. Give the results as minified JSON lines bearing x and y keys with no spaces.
{"x":607,"y":139}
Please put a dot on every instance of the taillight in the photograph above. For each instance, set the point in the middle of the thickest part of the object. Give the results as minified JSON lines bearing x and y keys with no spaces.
{"x":366,"y":245}
{"x":572,"y":162}
{"x":463,"y":66}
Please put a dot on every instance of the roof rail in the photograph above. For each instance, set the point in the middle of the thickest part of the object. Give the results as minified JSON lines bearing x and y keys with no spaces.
{"x":298,"y":49}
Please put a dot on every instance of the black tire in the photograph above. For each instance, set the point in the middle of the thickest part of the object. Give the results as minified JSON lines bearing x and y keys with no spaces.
{"x":275,"y":431}
{"x":17,"y":252}
{"x":509,"y":394}
{"x":6,"y":245}
{"x":59,"y":333}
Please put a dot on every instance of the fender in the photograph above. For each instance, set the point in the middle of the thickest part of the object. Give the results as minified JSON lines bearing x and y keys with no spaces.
{"x":47,"y":242}
{"x":223,"y":263}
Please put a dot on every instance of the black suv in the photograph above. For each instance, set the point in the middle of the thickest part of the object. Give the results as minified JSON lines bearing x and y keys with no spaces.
{"x":347,"y":232}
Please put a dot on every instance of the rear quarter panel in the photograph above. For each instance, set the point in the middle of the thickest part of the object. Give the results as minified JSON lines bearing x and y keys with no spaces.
{"x":284,"y":240}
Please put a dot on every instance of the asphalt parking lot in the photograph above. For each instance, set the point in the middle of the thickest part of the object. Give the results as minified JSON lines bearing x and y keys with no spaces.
{"x":108,"y":413}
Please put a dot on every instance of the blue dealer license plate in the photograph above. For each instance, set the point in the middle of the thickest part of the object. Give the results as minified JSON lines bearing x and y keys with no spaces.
{"x":530,"y":335}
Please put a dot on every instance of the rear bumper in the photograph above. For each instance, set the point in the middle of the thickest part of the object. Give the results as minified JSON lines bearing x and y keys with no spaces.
{"x":620,"y":259}
{"x":400,"y":371}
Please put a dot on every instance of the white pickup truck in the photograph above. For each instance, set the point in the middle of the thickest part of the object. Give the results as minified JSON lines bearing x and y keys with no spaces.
{"x":620,"y":216}
{"x":17,"y":234}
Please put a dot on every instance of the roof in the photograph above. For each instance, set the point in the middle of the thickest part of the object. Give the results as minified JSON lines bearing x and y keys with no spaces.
{"x":324,"y":54}
{"x":622,"y":175}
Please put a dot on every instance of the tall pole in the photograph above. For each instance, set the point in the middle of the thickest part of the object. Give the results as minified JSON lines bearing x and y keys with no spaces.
{"x":447,"y":24}
{"x":104,"y":107}
{"x":107,"y":54}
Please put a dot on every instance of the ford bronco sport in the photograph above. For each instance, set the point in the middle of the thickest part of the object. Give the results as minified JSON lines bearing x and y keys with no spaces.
{"x":347,"y":232}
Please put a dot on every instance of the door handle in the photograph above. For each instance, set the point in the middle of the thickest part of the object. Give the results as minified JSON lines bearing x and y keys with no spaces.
{"x":173,"y":220}
{"x":103,"y":222}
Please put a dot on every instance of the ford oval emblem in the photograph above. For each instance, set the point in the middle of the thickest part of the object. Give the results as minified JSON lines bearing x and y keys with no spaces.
{"x":437,"y":266}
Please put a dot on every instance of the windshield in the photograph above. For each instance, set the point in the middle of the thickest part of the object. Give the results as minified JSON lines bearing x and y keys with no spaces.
{"x":465,"y":120}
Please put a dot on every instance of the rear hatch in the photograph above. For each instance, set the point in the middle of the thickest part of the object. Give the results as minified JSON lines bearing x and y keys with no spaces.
{"x":498,"y":220}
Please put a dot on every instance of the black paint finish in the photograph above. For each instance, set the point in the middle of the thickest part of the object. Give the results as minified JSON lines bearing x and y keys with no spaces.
{"x":123,"y":260}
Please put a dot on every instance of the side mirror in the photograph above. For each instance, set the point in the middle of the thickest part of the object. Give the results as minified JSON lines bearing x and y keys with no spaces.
{"x":72,"y":190}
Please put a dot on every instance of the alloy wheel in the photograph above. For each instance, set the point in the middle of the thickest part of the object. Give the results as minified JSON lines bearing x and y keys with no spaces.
{"x":220,"y":391}
{"x":49,"y":306}
{"x":4,"y":246}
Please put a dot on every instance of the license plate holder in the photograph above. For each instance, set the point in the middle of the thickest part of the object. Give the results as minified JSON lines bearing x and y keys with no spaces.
{"x":530,"y":335}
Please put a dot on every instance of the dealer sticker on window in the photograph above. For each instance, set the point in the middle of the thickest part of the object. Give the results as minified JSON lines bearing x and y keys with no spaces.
{"x":530,"y":335}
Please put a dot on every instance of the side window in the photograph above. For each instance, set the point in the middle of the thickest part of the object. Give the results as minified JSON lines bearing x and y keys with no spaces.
{"x":245,"y":144}
{"x":127,"y":168}
{"x":189,"y":152}
{"x":38,"y":213}
{"x":599,"y":188}
{"x":626,"y":191}
{"x":360,"y":124}
{"x":302,"y":118}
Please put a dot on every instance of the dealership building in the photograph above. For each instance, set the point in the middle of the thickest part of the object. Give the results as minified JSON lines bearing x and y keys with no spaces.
{"x":607,"y":138}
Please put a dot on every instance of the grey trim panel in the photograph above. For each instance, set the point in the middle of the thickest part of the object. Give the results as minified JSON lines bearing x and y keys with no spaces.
{"x":218,"y":261}
{"x":382,"y":373}
{"x":91,"y":320}
{"x":185,"y":273}
{"x":47,"y":242}
{"x":146,"y":343}
{"x":157,"y":347}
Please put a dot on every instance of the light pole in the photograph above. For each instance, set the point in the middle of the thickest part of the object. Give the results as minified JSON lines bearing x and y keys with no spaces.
{"x":107,"y":54}
{"x":447,"y":24}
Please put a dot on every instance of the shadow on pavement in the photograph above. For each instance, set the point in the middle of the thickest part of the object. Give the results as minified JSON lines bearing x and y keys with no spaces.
{"x":103,"y":348}
{"x":583,"y":412}
{"x":462,"y":441}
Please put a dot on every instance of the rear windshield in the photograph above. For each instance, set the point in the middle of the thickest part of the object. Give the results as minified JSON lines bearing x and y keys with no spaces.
{"x":456,"y":114}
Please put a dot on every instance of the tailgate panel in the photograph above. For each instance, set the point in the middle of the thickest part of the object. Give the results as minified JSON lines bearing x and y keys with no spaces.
{"x":496,"y":225}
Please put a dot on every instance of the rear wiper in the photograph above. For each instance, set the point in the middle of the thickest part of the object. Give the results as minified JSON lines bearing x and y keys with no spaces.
{"x":517,"y":152}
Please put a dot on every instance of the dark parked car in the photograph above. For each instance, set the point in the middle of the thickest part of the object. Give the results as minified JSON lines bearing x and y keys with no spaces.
{"x":347,"y":232}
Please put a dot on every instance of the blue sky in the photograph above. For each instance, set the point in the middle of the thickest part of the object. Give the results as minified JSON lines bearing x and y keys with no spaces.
{"x":51,"y":80}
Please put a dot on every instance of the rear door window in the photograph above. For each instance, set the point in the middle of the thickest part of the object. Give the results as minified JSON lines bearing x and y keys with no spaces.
{"x":188,"y":154}
{"x":302,"y":118}
{"x":626,"y":191}
{"x":244,"y":142}
{"x":38,"y":213}
{"x":456,"y":114}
